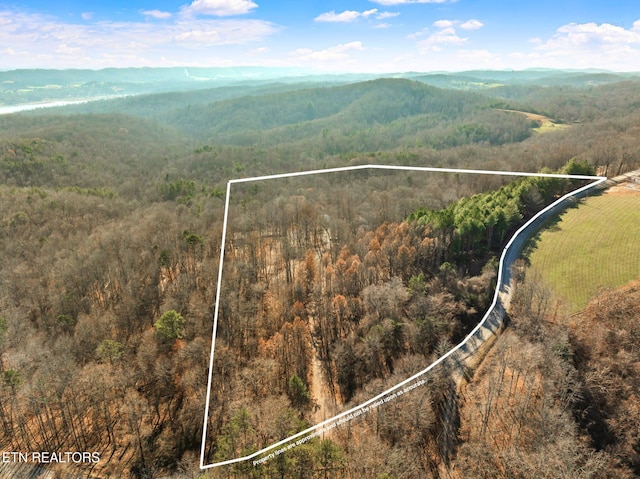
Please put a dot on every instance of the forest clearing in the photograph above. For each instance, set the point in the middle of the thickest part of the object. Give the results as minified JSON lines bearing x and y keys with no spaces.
{"x":545,"y":124}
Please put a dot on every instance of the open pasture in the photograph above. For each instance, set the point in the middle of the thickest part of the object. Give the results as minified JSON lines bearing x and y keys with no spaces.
{"x":591,"y":247}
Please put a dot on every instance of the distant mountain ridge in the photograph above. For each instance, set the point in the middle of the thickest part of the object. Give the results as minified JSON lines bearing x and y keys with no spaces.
{"x":379,"y":101}
{"x":35,"y":85}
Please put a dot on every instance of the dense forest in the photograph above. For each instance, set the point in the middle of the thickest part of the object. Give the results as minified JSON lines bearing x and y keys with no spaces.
{"x":334,"y":287}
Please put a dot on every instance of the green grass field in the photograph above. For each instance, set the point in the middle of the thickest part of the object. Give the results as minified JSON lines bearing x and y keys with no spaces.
{"x":593,"y":246}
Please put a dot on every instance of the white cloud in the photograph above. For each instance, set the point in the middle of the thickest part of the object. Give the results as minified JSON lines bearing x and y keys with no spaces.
{"x":160,"y":15}
{"x":200,"y":36}
{"x":385,"y":15}
{"x":382,"y":26}
{"x":216,"y":33}
{"x":219,"y":8}
{"x":222,"y":32}
{"x":338,"y":52}
{"x":49,"y":42}
{"x":12,"y":53}
{"x":588,"y":45}
{"x":63,"y":48}
{"x":592,"y":35}
{"x":347,"y":16}
{"x":435,"y":41}
{"x":459,"y":60}
{"x":471,"y":59}
{"x":445,"y":35}
{"x":406,"y":2}
{"x":332,"y":16}
{"x":86,"y":15}
{"x":421,"y":33}
{"x":443,"y":23}
{"x":472,"y":24}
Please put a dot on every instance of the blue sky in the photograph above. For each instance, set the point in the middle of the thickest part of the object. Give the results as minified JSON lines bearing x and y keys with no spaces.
{"x":333,"y":36}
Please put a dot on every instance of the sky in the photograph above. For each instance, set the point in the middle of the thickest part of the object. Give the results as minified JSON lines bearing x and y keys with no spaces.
{"x":368,"y":36}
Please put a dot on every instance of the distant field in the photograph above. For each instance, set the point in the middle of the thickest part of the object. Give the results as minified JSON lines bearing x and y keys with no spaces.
{"x":591,"y":247}
{"x":545,"y":123}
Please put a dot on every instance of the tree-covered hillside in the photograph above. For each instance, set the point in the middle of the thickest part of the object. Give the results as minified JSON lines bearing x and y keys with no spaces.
{"x":29,"y":85}
{"x":110,"y":236}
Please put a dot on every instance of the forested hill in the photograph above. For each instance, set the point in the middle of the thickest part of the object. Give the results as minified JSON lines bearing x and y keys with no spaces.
{"x":611,"y":100}
{"x":28,"y":85}
{"x":35,"y":85}
{"x":481,"y":79}
{"x":102,"y":153}
{"x":364,"y":116}
{"x":231,"y":131}
{"x":377,"y":101}
{"x":157,"y":105}
{"x":322,"y":118}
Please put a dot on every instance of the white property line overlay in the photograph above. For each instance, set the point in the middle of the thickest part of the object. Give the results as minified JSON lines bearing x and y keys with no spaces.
{"x":598,"y":180}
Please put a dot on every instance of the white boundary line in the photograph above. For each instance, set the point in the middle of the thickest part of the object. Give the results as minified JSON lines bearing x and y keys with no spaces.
{"x":598,"y":180}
